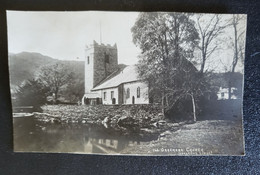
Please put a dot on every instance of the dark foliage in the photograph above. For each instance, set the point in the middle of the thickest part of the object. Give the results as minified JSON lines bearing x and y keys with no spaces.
{"x":31,"y":93}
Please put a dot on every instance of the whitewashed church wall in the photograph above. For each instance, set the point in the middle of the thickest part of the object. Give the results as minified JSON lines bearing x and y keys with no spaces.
{"x":108,"y":99}
{"x":143,"y":99}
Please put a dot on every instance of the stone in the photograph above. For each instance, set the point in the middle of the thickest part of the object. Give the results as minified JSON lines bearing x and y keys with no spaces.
{"x":126,"y":121}
{"x":162,"y":122}
{"x":106,"y":120}
{"x":155,"y":124}
{"x":147,"y":130}
{"x":164,"y":134}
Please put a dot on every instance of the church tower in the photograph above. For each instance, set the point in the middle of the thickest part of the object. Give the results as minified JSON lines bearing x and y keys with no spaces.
{"x":100,"y":61}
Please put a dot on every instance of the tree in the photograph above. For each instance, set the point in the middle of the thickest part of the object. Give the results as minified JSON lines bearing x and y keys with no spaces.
{"x":31,"y":93}
{"x":238,"y":46}
{"x":74,"y":90}
{"x":55,"y":77}
{"x":209,"y":30}
{"x":238,"y":40}
{"x":167,"y":42}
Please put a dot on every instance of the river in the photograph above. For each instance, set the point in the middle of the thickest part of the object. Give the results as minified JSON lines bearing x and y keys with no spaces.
{"x":32,"y":135}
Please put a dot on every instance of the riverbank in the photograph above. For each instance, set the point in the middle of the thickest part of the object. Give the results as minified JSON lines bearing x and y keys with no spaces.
{"x":143,"y":125}
{"x":124,"y":115}
{"x":210,"y":137}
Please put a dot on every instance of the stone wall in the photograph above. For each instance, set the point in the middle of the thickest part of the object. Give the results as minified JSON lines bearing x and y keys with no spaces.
{"x":96,"y":114}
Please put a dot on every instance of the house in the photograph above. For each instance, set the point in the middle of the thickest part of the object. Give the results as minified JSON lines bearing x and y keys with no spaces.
{"x":223,"y":93}
{"x":108,"y":83}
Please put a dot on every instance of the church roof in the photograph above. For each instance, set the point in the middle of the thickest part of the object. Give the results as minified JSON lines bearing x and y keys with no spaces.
{"x":125,"y":75}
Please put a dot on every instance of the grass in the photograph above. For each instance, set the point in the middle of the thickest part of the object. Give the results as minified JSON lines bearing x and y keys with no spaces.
{"x":215,"y":137}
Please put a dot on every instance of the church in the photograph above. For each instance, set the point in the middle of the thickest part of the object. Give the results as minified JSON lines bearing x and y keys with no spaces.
{"x":107,"y":82}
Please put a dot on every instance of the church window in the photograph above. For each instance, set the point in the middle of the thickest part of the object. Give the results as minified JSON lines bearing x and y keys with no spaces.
{"x":111,"y":142}
{"x":106,"y":58}
{"x":138,"y":92}
{"x":112,"y":94}
{"x":127,"y":93}
{"x":88,"y":59}
{"x":105,"y":95}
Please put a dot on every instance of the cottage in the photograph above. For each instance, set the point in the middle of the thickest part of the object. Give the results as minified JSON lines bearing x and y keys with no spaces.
{"x":108,"y":83}
{"x":223,"y":93}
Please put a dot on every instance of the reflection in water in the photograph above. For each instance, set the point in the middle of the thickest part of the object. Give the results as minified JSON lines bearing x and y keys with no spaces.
{"x":36,"y":136}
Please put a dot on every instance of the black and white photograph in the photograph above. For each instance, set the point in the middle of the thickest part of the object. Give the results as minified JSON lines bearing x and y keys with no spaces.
{"x":127,"y":83}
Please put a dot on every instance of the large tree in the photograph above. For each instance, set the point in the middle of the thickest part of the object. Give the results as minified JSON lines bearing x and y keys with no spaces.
{"x":238,"y":45}
{"x":167,"y":42}
{"x":56,"y":77}
{"x":210,"y":28}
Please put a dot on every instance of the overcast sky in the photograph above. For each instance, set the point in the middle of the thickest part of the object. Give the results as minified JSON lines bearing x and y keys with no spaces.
{"x":64,"y":35}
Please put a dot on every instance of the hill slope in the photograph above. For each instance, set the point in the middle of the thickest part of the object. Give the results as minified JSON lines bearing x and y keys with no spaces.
{"x":23,"y":66}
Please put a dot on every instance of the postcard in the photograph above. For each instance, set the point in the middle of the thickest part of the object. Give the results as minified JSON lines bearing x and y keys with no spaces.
{"x":127,"y":83}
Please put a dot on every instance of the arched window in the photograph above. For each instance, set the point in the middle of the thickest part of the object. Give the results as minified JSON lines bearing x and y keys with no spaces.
{"x":138,"y":92}
{"x":127,"y":93}
{"x":88,"y":59}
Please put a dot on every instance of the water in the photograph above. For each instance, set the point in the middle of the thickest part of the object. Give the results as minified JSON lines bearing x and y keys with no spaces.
{"x":31,"y":135}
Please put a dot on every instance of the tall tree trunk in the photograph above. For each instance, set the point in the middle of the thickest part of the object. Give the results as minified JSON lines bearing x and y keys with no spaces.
{"x":193,"y":108}
{"x":204,"y":57}
{"x":163,"y":103}
{"x":167,"y":101}
{"x":236,"y":48}
{"x":235,"y":59}
{"x":56,"y":96}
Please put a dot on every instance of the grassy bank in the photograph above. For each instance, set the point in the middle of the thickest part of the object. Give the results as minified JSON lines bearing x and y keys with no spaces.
{"x":220,"y":137}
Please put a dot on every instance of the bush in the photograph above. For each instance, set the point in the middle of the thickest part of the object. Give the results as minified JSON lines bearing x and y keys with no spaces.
{"x":31,"y":93}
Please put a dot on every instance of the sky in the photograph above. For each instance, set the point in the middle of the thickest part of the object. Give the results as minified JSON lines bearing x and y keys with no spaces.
{"x":64,"y":35}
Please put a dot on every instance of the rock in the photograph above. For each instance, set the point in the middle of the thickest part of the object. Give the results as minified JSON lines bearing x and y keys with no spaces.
{"x":147,"y":130}
{"x":126,"y":121}
{"x":175,"y":125}
{"x":121,"y":119}
{"x":155,"y":124}
{"x":114,"y":119}
{"x":164,"y":134}
{"x":161,"y":122}
{"x":181,"y":123}
{"x":105,"y":125}
{"x":160,"y":115}
{"x":90,"y":122}
{"x":106,"y":120}
{"x":117,"y":116}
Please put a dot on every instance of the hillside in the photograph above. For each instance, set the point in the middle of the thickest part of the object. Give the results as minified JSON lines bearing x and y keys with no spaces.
{"x":23,"y":66}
